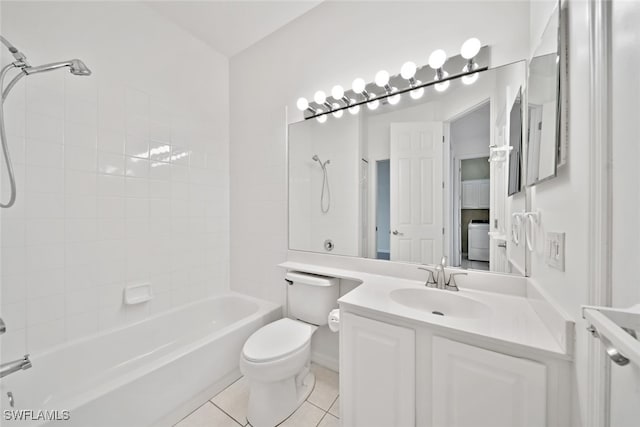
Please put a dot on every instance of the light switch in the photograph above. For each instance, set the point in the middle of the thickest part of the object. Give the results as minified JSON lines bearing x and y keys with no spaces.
{"x":554,"y":250}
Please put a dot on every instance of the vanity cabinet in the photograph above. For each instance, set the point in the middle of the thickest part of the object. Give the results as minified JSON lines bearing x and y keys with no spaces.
{"x":405,"y":375}
{"x":475,"y":194}
{"x":377,"y":378}
{"x":476,"y":387}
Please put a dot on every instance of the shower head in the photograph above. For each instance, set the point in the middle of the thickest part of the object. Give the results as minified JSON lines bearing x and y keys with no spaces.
{"x":316,"y":158}
{"x":76,"y":66}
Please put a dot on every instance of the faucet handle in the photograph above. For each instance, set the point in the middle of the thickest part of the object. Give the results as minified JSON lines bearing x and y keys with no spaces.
{"x":431,"y":280}
{"x":451,"y":283}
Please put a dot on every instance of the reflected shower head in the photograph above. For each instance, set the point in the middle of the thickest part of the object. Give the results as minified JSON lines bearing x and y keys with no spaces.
{"x":76,"y":66}
{"x":316,"y":158}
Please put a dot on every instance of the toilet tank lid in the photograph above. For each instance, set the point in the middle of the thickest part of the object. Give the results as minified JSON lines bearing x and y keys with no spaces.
{"x":311,"y":279}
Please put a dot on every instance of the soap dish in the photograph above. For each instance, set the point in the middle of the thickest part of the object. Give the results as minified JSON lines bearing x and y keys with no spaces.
{"x":138,"y":293}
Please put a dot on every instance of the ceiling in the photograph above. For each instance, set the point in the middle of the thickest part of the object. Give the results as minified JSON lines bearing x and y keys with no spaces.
{"x":232,"y":26}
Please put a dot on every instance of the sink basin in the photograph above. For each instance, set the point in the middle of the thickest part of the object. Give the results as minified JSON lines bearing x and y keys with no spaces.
{"x":440,"y":303}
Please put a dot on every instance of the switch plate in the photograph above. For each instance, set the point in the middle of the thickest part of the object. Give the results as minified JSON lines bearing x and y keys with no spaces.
{"x":554,"y":250}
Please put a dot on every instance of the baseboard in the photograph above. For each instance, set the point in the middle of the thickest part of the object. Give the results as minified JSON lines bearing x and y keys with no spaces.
{"x":198,"y":400}
{"x":326,"y":361}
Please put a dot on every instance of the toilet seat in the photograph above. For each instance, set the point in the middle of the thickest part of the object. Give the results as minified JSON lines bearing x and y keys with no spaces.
{"x":277,"y":340}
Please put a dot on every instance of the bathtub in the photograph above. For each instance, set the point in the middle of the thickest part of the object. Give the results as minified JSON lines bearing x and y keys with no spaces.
{"x":150,"y":373}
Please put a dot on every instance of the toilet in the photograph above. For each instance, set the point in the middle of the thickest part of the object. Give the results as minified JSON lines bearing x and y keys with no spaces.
{"x":276,"y":358}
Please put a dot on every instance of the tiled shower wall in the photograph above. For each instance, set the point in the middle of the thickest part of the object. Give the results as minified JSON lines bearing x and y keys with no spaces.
{"x":122,"y":176}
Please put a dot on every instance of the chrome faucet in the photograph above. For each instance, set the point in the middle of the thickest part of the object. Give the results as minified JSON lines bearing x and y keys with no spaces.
{"x":15,"y":366}
{"x":438,"y":277}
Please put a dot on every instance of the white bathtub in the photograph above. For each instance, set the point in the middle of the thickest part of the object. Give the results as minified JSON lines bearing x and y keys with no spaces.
{"x":149,"y":373}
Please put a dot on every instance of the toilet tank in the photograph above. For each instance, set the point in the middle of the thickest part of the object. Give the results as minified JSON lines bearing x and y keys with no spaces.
{"x":311,"y":297}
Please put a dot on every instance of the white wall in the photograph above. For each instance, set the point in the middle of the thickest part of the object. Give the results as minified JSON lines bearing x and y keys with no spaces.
{"x":563,"y":203}
{"x":332,"y":44}
{"x":94,"y":213}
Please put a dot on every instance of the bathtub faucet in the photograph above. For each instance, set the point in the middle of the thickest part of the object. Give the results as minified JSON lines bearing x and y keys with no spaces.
{"x":15,"y":366}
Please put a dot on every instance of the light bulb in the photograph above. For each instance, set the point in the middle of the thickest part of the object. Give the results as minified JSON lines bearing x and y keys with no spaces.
{"x":302,"y":104}
{"x":355,"y":109}
{"x":358,"y":85}
{"x":417,"y":93}
{"x":320,"y":97}
{"x":382,"y":78}
{"x":441,"y":87}
{"x":337,"y":114}
{"x":337,"y":92}
{"x":321,"y":119}
{"x":470,"y":79}
{"x":393,"y":100}
{"x":437,"y":59}
{"x":470,"y":48}
{"x":372,"y":105}
{"x":408,"y":70}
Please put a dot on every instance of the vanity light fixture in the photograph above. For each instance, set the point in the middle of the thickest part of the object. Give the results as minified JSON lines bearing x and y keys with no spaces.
{"x":468,"y":51}
{"x":408,"y":72}
{"x":436,"y":61}
{"x":416,"y":88}
{"x":337,"y":92}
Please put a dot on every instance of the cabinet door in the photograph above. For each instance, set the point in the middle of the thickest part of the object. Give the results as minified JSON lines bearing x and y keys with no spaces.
{"x":377,"y":373}
{"x":474,"y":387}
{"x":469,"y":195}
{"x":483,"y":194}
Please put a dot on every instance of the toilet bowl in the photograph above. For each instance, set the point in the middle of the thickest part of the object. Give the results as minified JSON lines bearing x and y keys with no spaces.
{"x":276,"y":358}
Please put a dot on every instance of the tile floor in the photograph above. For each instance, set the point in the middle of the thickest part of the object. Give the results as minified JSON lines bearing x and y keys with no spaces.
{"x":229,"y":407}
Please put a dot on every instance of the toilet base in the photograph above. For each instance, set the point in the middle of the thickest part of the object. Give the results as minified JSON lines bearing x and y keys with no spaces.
{"x":272,"y":403}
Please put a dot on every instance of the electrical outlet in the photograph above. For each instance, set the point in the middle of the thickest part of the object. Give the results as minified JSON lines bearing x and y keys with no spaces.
{"x":554,"y":250}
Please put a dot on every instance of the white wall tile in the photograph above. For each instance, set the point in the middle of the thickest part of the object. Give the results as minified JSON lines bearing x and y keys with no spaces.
{"x":92,"y":214}
{"x":42,"y":283}
{"x":80,"y":135}
{"x":111,"y":163}
{"x":81,"y":158}
{"x":45,"y":309}
{"x":44,"y":128}
{"x":81,"y":325}
{"x":44,"y":154}
{"x":45,"y":335}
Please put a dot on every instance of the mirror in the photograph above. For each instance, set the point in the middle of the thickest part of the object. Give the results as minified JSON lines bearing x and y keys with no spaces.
{"x":414,"y":181}
{"x":543,"y":93}
{"x":515,"y":144}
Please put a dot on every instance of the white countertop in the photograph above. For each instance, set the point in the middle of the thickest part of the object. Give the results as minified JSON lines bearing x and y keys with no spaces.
{"x":512,"y":320}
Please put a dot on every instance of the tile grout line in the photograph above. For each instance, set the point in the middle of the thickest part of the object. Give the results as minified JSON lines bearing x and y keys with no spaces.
{"x":225,"y":412}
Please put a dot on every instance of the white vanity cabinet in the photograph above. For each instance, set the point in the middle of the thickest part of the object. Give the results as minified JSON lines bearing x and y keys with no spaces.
{"x":475,"y":194}
{"x":377,"y":378}
{"x":472,"y":386}
{"x":397,"y":373}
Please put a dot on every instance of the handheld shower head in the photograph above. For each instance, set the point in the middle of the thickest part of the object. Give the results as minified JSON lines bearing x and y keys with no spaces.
{"x":76,"y":66}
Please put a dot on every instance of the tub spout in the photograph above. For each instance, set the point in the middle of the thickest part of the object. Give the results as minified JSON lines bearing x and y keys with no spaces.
{"x":15,"y":366}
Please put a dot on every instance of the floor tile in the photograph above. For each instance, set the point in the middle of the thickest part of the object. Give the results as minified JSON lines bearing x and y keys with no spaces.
{"x":234,"y":400}
{"x":329,"y":421}
{"x":326,"y":389}
{"x":208,"y":416}
{"x":306,"y":415}
{"x":335,"y":408}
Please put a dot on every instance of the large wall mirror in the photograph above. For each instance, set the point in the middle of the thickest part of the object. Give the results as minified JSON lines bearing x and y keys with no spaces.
{"x":414,"y":181}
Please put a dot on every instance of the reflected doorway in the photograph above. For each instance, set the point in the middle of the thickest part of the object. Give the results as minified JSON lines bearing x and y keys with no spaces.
{"x":383,"y":209}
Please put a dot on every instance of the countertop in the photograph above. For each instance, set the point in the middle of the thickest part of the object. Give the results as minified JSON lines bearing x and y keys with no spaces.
{"x":512,"y":321}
